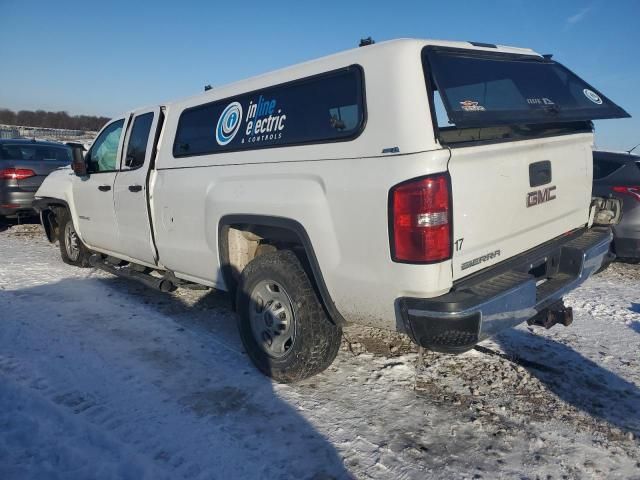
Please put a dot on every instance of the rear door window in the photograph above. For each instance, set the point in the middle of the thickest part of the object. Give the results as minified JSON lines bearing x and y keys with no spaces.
{"x":138,"y":140}
{"x":326,"y":107}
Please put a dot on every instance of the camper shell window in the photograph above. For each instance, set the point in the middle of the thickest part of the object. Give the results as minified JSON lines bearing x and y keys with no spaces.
{"x":493,"y":96}
{"x":324,"y":108}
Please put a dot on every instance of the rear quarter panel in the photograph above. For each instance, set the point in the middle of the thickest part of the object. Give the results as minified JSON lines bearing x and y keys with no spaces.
{"x":342,"y":204}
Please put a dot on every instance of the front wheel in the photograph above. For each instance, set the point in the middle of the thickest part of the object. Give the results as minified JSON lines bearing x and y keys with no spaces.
{"x":72,"y":250}
{"x":282,"y":324}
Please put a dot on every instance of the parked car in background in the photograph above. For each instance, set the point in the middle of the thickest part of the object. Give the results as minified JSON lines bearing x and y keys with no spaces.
{"x":24,"y":164}
{"x":617,"y":174}
{"x":76,"y":144}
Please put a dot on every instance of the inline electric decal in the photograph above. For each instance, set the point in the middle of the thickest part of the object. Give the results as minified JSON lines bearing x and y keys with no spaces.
{"x":229,"y":123}
{"x":264,"y":122}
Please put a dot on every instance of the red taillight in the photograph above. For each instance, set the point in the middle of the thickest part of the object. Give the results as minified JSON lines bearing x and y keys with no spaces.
{"x":16,"y":173}
{"x":633,"y":191}
{"x":420,"y":220}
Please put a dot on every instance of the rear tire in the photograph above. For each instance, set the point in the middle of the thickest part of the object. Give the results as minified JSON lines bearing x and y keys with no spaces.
{"x":72,"y":250}
{"x":282,"y":323}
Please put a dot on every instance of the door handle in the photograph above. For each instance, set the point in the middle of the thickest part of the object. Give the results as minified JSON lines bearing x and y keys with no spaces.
{"x":104,"y":188}
{"x":135,"y":188}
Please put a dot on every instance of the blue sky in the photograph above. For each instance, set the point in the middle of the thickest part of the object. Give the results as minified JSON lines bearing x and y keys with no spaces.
{"x":108,"y":57}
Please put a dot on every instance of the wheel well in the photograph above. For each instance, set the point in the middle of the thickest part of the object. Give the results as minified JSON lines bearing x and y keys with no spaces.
{"x":48,"y":218}
{"x":244,"y":242}
{"x":244,"y":237}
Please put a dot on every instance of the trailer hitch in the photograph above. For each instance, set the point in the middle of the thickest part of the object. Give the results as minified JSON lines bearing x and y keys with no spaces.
{"x":556,"y":313}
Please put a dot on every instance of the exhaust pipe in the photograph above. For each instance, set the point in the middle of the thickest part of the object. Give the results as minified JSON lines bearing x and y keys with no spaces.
{"x":556,"y":313}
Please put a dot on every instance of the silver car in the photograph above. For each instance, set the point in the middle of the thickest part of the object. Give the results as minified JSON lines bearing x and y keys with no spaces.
{"x":24,"y":164}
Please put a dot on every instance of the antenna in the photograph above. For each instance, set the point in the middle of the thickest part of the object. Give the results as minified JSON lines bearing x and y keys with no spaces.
{"x":629,"y":151}
{"x":207,"y":88}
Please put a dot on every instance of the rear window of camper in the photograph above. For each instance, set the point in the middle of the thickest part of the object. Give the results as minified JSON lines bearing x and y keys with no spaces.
{"x":323,"y":108}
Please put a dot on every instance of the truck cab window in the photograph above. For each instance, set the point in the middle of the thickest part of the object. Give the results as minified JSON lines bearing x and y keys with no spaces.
{"x":137,"y":148}
{"x":104,"y":151}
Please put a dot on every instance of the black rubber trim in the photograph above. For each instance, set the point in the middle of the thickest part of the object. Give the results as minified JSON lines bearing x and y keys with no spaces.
{"x":152,"y":164}
{"x":40,"y":204}
{"x":299,"y":233}
{"x":446,"y":335}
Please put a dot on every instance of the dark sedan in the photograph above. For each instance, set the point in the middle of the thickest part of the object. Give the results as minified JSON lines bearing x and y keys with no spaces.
{"x":618,"y":175}
{"x":24,"y":164}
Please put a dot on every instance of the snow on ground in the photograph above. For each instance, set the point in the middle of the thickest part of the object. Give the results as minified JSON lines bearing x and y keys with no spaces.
{"x":102,"y":378}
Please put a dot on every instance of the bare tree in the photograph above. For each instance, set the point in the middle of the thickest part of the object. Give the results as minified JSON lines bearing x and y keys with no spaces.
{"x":42,"y":118}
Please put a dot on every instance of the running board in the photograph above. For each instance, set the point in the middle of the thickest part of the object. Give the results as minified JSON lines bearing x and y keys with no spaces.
{"x":162,"y":284}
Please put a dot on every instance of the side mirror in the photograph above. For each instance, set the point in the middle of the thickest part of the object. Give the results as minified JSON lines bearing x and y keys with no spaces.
{"x":78,"y":165}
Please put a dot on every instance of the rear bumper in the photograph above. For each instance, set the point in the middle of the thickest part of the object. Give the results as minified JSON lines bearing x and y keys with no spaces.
{"x":15,"y":201}
{"x":506,"y":295}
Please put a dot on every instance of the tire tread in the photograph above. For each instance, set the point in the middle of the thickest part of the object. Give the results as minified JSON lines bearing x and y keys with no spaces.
{"x":317,"y":338}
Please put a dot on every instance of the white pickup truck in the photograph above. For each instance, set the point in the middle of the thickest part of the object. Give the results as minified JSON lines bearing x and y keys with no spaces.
{"x":441,"y":189}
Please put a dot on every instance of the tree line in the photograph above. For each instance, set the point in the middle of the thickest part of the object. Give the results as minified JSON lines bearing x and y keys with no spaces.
{"x":41,"y":118}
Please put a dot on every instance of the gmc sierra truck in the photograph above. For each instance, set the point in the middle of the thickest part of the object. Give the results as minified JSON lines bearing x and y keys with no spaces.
{"x":441,"y":189}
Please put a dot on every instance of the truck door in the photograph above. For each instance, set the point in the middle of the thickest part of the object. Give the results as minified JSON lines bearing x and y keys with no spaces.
{"x":93,"y":194}
{"x":131,"y":188}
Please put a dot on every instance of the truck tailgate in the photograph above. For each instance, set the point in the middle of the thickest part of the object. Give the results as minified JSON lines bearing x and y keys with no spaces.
{"x":510,"y":197}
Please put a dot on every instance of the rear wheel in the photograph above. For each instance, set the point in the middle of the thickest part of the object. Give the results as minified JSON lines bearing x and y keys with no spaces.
{"x":283,"y":326}
{"x":72,"y":250}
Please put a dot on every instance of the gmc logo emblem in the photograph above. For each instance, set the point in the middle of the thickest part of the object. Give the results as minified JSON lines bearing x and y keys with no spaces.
{"x":540,"y":196}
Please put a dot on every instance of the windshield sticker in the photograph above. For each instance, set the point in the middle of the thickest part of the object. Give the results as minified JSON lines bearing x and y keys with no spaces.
{"x":471,"y":106}
{"x":540,"y":101}
{"x":593,"y":96}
